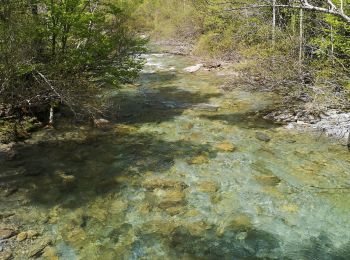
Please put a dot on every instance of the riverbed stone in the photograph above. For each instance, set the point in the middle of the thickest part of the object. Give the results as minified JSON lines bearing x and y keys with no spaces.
{"x":22,"y":236}
{"x":5,"y":255}
{"x":262,"y":137}
{"x":197,"y":228}
{"x":161,"y":226}
{"x":225,"y":147}
{"x":207,"y":186}
{"x":169,"y":198}
{"x":101,"y":123}
{"x":50,"y":253}
{"x":124,"y":129}
{"x":118,"y":206}
{"x":268,"y":180}
{"x":154,"y":183}
{"x":200,"y":159}
{"x":6,"y":233}
{"x":290,"y":208}
{"x":37,"y":249}
{"x":32,"y":233}
{"x":67,"y":179}
{"x":206,"y":107}
{"x":193,"y":68}
{"x":241,"y":221}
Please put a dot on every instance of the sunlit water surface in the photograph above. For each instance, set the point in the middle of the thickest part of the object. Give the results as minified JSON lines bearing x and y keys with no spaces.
{"x":181,"y":175}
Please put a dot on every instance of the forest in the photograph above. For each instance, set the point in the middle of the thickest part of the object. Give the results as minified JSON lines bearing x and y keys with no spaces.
{"x":174,"y":129}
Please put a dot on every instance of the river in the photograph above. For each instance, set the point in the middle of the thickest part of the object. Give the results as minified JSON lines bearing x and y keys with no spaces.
{"x":185,"y":171}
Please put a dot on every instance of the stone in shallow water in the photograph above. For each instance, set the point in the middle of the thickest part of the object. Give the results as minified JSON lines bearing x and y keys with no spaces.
{"x":169,"y":198}
{"x":38,"y":248}
{"x":201,"y":159}
{"x":225,"y":147}
{"x":32,"y":233}
{"x":7,"y":233}
{"x":207,"y":186}
{"x":22,"y":236}
{"x":153,"y":183}
{"x":268,"y":180}
{"x":262,"y":137}
{"x":161,"y":226}
{"x":194,"y":68}
{"x":118,"y":206}
{"x":291,"y":208}
{"x":197,"y":228}
{"x":206,"y":107}
{"x":66,"y":179}
{"x":5,"y":255}
{"x":124,"y":129}
{"x":50,"y":253}
{"x":175,"y":210}
{"x":241,"y":221}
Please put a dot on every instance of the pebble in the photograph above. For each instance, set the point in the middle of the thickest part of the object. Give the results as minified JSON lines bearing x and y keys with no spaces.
{"x":262,"y":137}
{"x":5,"y":255}
{"x":22,"y":236}
{"x":6,"y":233}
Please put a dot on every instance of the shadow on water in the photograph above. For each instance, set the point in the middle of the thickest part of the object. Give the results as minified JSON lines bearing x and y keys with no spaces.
{"x":247,"y":120}
{"x":238,"y":243}
{"x":89,"y":167}
{"x":156,"y":106}
{"x":158,"y":99}
{"x":53,"y":171}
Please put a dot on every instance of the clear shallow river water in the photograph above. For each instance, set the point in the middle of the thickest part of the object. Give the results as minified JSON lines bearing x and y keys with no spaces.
{"x":175,"y":178}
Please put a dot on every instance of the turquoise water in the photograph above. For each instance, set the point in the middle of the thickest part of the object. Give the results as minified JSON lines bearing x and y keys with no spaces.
{"x":180,"y":174}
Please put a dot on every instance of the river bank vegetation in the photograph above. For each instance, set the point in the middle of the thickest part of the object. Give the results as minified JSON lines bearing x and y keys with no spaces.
{"x":298,"y":48}
{"x":62,"y":53}
{"x":55,"y":53}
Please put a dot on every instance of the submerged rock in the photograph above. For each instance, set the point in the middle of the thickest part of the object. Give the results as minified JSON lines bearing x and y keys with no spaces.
{"x":65,"y":178}
{"x":268,"y":180}
{"x":10,"y":191}
{"x":207,"y":186}
{"x":262,"y":137}
{"x":50,"y":253}
{"x":153,"y":183}
{"x":225,"y":147}
{"x":38,"y":248}
{"x":201,"y":159}
{"x":169,"y":198}
{"x":32,"y":234}
{"x":206,"y":107}
{"x":6,"y":233}
{"x":5,"y":255}
{"x":22,"y":236}
{"x":290,"y":208}
{"x":124,"y":129}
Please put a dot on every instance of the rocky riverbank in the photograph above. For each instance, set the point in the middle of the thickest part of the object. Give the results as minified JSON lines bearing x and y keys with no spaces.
{"x":334,"y":123}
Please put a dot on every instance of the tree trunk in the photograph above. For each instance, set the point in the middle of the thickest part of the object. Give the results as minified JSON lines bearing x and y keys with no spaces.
{"x":51,"y":117}
{"x":332,"y":44}
{"x":301,"y":40}
{"x":273,"y":23}
{"x":342,"y":6}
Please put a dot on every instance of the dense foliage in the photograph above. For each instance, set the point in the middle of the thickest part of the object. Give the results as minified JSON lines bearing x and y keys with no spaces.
{"x":62,"y":51}
{"x":304,"y":54}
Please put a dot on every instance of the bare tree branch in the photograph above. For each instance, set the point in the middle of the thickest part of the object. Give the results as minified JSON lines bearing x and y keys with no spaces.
{"x":303,"y":4}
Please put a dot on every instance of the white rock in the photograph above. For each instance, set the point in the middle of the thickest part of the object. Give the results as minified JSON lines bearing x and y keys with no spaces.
{"x":193,"y":68}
